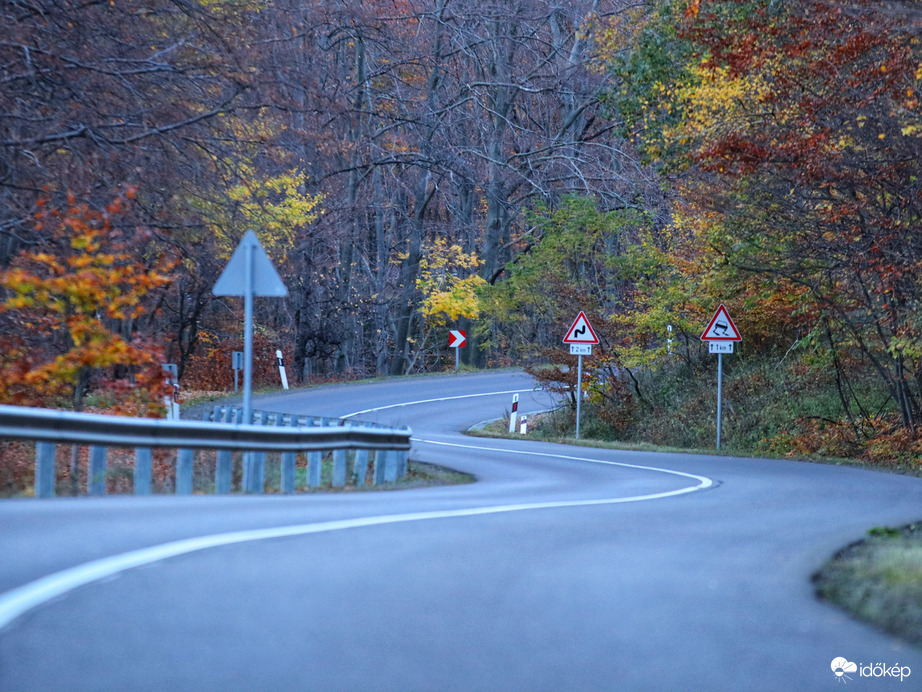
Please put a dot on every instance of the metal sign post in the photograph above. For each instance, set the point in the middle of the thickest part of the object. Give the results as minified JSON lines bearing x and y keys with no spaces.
{"x":720,"y":335}
{"x":579,"y":390}
{"x":237,"y":363}
{"x":249,"y":273}
{"x":248,"y":334}
{"x":581,"y":338}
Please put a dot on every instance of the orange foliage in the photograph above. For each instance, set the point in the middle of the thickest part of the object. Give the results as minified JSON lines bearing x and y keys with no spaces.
{"x":70,"y":306}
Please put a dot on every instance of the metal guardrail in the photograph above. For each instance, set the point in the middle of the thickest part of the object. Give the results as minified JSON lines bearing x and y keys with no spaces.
{"x":285,"y":434}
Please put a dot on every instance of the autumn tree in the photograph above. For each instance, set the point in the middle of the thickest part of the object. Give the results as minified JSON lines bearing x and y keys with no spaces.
{"x":440,"y":119}
{"x":71,"y":310}
{"x":795,"y":128}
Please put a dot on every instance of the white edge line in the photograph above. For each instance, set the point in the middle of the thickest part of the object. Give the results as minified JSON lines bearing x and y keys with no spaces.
{"x":432,"y":401}
{"x":704,"y":481}
{"x":20,"y":600}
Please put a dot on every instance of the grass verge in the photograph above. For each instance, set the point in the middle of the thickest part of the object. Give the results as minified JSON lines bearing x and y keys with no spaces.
{"x":879,"y":580}
{"x":553,"y":426}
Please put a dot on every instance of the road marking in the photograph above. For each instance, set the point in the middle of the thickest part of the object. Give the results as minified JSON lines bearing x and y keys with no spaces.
{"x":24,"y":598}
{"x":432,"y":401}
{"x":20,"y":600}
{"x":704,"y":481}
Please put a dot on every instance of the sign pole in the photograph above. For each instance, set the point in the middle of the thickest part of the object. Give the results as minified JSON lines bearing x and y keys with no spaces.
{"x":248,"y":336}
{"x":579,"y":390}
{"x":249,"y":273}
{"x":720,"y":334}
{"x":457,"y":359}
{"x":720,"y":377}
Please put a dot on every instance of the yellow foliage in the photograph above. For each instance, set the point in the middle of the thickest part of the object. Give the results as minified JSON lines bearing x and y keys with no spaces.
{"x":274,"y":206}
{"x":448,"y":296}
{"x":714,"y":102}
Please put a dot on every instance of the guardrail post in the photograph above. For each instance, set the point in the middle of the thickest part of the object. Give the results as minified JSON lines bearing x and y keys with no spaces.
{"x":360,"y":468}
{"x":339,"y":468}
{"x":44,"y":469}
{"x":142,"y":470}
{"x":96,"y":472}
{"x":390,"y":466}
{"x":402,"y":460}
{"x":223,"y":472}
{"x":287,"y":482}
{"x":314,"y":466}
{"x":185,"y":458}
{"x":380,"y":466}
{"x":254,"y":463}
{"x":254,"y":472}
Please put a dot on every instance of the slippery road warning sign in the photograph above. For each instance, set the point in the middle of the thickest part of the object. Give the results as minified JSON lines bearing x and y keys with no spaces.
{"x":721,"y":327}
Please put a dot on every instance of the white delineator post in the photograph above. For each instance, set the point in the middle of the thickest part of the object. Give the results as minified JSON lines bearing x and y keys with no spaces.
{"x":514,"y":414}
{"x":282,"y":374}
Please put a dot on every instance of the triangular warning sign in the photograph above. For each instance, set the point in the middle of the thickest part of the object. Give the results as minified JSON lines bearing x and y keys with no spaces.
{"x":266,"y":281}
{"x":581,"y":332}
{"x":721,"y":327}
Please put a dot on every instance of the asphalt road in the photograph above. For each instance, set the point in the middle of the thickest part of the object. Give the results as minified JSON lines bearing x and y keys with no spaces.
{"x":561,"y":568}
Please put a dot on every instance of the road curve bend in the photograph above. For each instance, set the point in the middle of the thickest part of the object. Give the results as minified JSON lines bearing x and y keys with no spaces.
{"x":561,"y":568}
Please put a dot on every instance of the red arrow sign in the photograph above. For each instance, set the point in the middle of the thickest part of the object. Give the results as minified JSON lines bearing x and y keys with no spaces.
{"x":458,"y":339}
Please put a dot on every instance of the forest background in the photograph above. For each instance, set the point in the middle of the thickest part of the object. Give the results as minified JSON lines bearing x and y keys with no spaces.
{"x":414,"y":166}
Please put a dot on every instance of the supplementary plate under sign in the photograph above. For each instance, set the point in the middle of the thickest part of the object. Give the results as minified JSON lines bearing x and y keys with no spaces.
{"x":720,"y":347}
{"x":580,"y":349}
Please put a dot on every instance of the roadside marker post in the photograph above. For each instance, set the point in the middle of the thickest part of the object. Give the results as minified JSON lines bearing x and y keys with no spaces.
{"x":581,"y":337}
{"x":282,"y":374}
{"x":720,"y":335}
{"x":514,"y":414}
{"x":171,"y":401}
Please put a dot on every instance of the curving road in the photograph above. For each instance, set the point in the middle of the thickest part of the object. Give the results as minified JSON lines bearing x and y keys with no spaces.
{"x":562,"y":568}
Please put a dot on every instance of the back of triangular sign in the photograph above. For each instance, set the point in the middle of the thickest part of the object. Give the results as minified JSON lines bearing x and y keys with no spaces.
{"x":266,"y":280}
